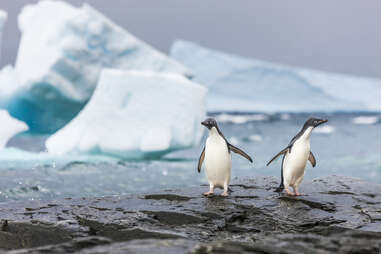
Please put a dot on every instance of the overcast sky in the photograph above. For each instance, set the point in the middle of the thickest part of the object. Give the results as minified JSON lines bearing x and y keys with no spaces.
{"x":334,"y":35}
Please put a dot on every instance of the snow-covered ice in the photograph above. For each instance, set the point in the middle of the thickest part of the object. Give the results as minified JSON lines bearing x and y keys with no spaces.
{"x":62,"y":51}
{"x":242,"y":84}
{"x":9,"y":127}
{"x":135,"y":114}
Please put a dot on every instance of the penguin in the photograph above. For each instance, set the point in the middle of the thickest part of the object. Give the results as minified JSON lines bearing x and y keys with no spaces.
{"x":295,"y":157}
{"x":217,"y":156}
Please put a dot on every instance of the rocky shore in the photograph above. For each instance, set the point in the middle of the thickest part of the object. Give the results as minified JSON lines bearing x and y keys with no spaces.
{"x":337,"y":215}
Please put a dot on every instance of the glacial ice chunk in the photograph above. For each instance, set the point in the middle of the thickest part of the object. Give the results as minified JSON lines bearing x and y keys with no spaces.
{"x":62,"y":51}
{"x":242,"y":84}
{"x":8,"y":84}
{"x":135,"y":114}
{"x":9,"y":127}
{"x":3,"y":19}
{"x":325,"y":129}
{"x":240,"y":119}
{"x":365,"y":120}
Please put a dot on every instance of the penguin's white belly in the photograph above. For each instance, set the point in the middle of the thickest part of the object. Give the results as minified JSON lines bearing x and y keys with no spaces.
{"x":217,"y":162}
{"x":295,"y":162}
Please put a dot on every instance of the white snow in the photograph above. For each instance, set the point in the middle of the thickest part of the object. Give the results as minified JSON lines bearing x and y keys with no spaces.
{"x":365,"y":120}
{"x":242,"y":84}
{"x":9,"y":127}
{"x":62,"y":51}
{"x":136,"y":114}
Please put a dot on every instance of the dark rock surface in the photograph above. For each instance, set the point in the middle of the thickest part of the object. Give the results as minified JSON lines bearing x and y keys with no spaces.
{"x":338,"y":215}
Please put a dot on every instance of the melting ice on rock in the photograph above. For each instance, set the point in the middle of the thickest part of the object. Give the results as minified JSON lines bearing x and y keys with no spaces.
{"x":242,"y":84}
{"x":9,"y":127}
{"x":62,"y":51}
{"x":3,"y":19}
{"x":135,"y":114}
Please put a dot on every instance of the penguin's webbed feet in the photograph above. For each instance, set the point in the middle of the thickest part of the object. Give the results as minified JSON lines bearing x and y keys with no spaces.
{"x":225,"y":194}
{"x":209,"y":193}
{"x":290,"y":193}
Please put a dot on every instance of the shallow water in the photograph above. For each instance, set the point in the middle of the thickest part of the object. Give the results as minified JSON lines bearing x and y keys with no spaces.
{"x":347,"y":145}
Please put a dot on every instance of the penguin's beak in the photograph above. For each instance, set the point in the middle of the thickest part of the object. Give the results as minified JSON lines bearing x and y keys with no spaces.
{"x":321,"y":122}
{"x":204,"y":123}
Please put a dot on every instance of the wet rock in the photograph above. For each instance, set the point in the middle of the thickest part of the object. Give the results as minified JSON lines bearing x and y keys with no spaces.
{"x":15,"y":235}
{"x":174,"y":218}
{"x":349,"y":241}
{"x":334,"y":213}
{"x":68,"y":247}
{"x":169,"y":197}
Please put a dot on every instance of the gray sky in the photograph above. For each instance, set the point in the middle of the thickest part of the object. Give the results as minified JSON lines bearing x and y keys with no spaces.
{"x":333,"y":35}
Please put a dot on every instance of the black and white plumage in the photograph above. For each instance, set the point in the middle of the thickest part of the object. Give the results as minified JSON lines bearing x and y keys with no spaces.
{"x":217,"y":157}
{"x":295,"y":157}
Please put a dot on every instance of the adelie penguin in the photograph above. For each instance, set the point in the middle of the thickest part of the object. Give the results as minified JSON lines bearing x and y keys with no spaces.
{"x":217,"y":157}
{"x":295,"y":157}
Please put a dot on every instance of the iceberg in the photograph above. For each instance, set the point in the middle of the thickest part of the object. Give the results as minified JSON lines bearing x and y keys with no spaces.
{"x":241,"y":84}
{"x":9,"y":127}
{"x":135,"y":115}
{"x":58,"y":70}
{"x":8,"y":84}
{"x":3,"y":19}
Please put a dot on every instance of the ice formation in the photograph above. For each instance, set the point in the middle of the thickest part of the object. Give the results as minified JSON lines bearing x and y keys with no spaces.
{"x":135,"y":114}
{"x":9,"y":127}
{"x":62,"y":51}
{"x":365,"y":120}
{"x":8,"y":84}
{"x":242,"y":84}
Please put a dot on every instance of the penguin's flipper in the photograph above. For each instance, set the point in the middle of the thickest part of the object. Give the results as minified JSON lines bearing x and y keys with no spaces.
{"x":276,"y":156}
{"x":240,"y":152}
{"x":201,"y":160}
{"x":312,"y":159}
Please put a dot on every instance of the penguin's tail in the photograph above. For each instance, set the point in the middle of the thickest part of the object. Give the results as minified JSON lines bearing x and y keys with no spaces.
{"x":280,"y":188}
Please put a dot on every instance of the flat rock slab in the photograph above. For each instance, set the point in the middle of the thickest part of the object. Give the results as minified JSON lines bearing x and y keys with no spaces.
{"x":336,"y":213}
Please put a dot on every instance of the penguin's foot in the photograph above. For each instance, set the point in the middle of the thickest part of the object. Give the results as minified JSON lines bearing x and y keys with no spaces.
{"x":290,"y":193}
{"x":296,"y":191}
{"x":209,"y":193}
{"x":225,"y":194}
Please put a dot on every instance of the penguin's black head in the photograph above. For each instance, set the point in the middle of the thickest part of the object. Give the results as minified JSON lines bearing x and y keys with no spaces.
{"x":314,"y":122}
{"x":209,"y":123}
